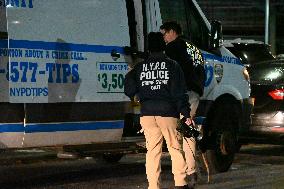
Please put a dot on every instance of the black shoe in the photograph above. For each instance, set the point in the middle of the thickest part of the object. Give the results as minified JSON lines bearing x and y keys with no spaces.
{"x":192,"y":180}
{"x":182,"y":187}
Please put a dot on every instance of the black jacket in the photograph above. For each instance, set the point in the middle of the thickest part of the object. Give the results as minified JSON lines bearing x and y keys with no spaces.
{"x":189,"y":58}
{"x":159,"y":83}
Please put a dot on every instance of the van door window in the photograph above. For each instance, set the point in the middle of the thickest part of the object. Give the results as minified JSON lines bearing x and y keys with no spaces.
{"x":186,"y":14}
{"x":199,"y":33}
{"x":175,"y":11}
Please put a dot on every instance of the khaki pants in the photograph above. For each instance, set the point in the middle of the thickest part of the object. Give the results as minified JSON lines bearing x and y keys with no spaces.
{"x":189,"y":145}
{"x":155,"y":128}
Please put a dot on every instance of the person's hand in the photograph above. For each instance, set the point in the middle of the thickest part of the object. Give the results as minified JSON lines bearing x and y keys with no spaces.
{"x":127,"y":50}
{"x":189,"y":121}
{"x":135,"y":101}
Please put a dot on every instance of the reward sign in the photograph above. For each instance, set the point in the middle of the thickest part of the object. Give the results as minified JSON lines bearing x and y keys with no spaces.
{"x":110,"y":76}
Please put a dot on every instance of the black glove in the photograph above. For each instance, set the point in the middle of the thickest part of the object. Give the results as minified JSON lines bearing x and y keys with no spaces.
{"x":127,"y":50}
{"x":187,"y":131}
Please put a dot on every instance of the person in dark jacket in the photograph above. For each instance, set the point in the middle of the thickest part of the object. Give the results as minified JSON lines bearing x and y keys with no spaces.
{"x":191,"y":61}
{"x":159,"y":83}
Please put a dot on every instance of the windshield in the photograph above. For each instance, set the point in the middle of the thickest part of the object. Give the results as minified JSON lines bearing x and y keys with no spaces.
{"x":251,"y":53}
{"x":267,"y":73}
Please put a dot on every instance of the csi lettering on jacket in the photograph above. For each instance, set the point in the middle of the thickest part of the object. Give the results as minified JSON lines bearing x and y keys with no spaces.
{"x":160,"y":85}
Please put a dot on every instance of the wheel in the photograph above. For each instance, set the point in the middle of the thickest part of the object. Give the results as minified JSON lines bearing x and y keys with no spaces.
{"x":221,"y":157}
{"x":224,"y":126}
{"x":112,"y":157}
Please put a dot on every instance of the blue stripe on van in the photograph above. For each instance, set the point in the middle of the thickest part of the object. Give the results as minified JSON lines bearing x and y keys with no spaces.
{"x":225,"y":59}
{"x":54,"y":127}
{"x":60,"y":46}
{"x":212,"y":56}
{"x":4,"y":43}
{"x":12,"y":127}
{"x":57,"y":46}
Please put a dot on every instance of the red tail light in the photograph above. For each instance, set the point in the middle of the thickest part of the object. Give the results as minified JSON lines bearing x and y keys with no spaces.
{"x":277,"y":94}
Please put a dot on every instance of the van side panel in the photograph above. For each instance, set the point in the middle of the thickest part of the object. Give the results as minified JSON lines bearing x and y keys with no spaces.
{"x":63,"y":76}
{"x":63,"y":51}
{"x":49,"y":124}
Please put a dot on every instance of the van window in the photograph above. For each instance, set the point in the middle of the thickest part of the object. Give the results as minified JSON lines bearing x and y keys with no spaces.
{"x":199,"y":33}
{"x":186,"y":14}
{"x":175,"y":11}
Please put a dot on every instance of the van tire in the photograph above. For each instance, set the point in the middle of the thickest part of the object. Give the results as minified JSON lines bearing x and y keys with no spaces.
{"x":112,"y":157}
{"x":224,"y":126}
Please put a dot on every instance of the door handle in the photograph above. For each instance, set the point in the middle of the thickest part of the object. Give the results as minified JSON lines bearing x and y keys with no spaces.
{"x":115,"y":55}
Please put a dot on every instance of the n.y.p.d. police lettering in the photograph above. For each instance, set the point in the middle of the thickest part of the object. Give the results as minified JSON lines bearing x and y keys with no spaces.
{"x":154,"y":75}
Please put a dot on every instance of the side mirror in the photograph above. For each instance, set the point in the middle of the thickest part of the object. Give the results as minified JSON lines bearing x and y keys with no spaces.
{"x":216,"y":37}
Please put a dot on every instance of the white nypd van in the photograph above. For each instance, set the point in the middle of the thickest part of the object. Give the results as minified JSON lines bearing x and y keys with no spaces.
{"x":62,"y":69}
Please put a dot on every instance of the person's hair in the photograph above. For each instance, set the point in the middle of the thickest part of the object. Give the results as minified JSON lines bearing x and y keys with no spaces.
{"x":156,"y":42}
{"x":171,"y":25}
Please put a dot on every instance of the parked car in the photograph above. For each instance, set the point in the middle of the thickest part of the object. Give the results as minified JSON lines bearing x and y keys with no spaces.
{"x":249,"y":51}
{"x":280,"y":56}
{"x":267,"y":90}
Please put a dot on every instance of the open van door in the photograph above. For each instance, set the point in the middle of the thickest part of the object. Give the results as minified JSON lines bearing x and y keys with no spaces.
{"x":69,"y":69}
{"x":12,"y":115}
